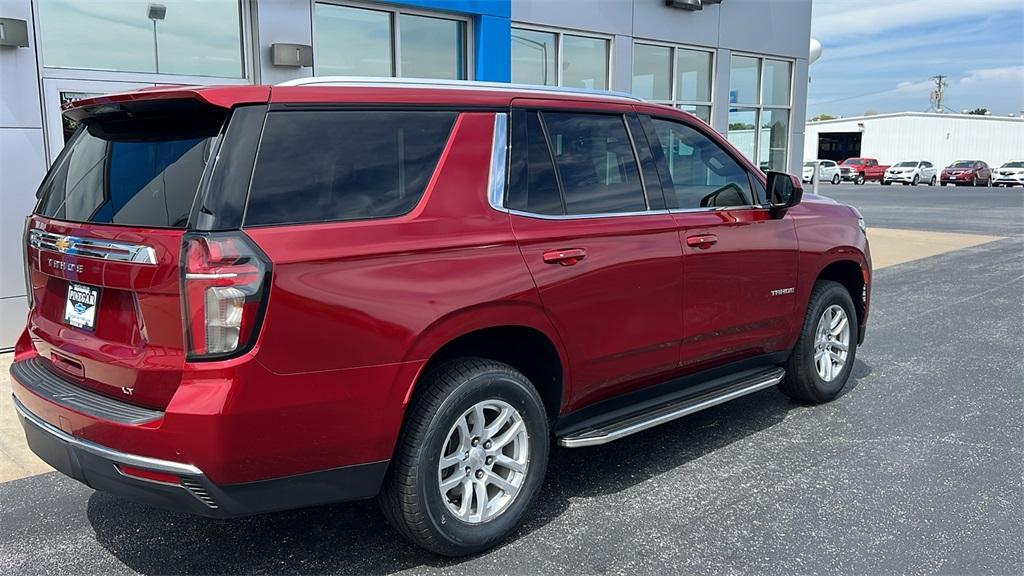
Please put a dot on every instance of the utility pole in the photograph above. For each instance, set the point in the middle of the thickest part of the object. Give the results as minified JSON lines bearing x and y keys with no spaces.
{"x":940,"y":85}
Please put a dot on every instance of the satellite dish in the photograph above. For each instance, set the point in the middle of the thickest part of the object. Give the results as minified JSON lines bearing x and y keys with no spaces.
{"x":815,"y":52}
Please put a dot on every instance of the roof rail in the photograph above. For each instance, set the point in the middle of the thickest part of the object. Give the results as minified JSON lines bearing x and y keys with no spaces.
{"x":453,"y":85}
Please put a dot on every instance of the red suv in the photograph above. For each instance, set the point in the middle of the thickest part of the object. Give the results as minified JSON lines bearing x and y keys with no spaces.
{"x":249,"y":299}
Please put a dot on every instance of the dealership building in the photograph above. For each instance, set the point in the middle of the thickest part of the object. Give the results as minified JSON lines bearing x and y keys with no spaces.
{"x":938,"y":138}
{"x":741,"y":65}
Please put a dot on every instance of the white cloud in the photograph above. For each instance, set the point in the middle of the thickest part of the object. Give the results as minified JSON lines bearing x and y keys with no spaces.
{"x":844,"y":19}
{"x":1004,"y":75}
{"x":922,"y":87}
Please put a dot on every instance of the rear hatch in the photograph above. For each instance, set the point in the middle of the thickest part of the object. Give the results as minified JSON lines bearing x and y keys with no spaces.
{"x":105,"y":242}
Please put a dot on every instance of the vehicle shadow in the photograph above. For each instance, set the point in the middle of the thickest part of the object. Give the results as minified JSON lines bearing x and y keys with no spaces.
{"x":354,"y":538}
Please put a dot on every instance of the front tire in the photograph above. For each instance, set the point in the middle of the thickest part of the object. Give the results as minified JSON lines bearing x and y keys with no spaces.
{"x":859,"y":180}
{"x":835,"y":179}
{"x":471,"y":458}
{"x":823,"y":357}
{"x":917,"y":179}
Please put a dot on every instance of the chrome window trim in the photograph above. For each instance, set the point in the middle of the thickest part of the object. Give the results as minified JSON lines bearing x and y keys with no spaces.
{"x":497,"y":180}
{"x":102,"y":451}
{"x":92,"y":248}
{"x":584,"y":216}
{"x":717,"y":209}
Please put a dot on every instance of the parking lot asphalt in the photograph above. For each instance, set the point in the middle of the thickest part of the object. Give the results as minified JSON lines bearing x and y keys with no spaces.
{"x":917,"y":468}
{"x":941,"y":208}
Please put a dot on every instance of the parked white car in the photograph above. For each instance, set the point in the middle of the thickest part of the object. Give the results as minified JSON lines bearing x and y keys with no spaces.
{"x":1009,"y":174}
{"x":828,"y":171}
{"x":911,"y":172}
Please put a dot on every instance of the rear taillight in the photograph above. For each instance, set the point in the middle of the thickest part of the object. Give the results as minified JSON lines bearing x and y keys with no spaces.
{"x":225,"y":279}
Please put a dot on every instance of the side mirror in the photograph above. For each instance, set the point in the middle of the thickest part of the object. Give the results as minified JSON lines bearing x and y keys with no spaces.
{"x":784,"y":191}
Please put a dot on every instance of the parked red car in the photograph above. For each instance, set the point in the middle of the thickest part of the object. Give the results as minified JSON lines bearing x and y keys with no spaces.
{"x":860,"y":170}
{"x":249,"y":299}
{"x":972,"y":172}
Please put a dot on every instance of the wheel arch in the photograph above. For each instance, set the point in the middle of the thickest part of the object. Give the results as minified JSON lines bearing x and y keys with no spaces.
{"x":853,"y":275}
{"x":516,"y":334}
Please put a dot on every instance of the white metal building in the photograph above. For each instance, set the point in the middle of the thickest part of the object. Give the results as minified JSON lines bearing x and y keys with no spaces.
{"x":938,"y":138}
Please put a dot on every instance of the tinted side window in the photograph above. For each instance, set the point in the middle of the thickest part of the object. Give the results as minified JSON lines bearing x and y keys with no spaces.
{"x":702,"y":173}
{"x":533,"y":187}
{"x":318,"y":166}
{"x":596,"y":164}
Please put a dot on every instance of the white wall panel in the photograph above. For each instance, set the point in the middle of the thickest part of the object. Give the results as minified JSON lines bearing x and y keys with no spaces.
{"x":21,"y":169}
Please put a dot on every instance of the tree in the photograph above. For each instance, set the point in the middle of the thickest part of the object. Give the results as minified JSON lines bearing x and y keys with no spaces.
{"x":820,"y":117}
{"x":979,"y":112}
{"x":871,"y":112}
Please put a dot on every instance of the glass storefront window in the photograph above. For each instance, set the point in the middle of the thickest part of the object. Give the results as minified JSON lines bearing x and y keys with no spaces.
{"x":743,"y":81}
{"x":652,"y":72}
{"x":774,"y":138}
{"x":432,"y":47}
{"x":553,"y":58}
{"x":693,"y":75}
{"x":777,"y":74}
{"x":675,"y":76}
{"x":759,"y":92}
{"x":584,"y":62}
{"x":743,"y":131}
{"x":534,"y":57}
{"x":702,"y":112}
{"x":185,"y":38}
{"x":352,"y":41}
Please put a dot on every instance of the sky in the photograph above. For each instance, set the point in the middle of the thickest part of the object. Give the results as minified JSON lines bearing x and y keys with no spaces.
{"x":878,"y":56}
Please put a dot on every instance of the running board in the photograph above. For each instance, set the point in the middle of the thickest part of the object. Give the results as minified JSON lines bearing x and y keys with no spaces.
{"x":660,"y":414}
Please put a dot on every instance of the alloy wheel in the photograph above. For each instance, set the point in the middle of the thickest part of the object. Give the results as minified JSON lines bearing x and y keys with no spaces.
{"x":484,"y":461}
{"x":831,"y":343}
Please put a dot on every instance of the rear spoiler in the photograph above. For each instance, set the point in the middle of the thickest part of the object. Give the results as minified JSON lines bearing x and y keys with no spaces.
{"x":159,"y":100}
{"x":154,"y":113}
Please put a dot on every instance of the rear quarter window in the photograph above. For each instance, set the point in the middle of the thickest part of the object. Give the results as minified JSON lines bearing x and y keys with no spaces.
{"x":321,"y":166}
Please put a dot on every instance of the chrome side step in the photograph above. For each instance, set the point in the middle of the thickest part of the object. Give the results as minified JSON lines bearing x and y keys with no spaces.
{"x":672,"y":410}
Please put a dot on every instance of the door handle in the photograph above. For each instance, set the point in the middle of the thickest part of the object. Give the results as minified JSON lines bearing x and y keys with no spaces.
{"x":702,"y":241}
{"x":567,"y":257}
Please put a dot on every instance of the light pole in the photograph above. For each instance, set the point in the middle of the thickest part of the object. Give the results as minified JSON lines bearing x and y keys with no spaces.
{"x":156,"y":12}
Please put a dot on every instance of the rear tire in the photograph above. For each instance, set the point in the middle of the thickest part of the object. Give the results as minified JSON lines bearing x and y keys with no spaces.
{"x":932,"y":181}
{"x":442,"y":423}
{"x":808,"y":377}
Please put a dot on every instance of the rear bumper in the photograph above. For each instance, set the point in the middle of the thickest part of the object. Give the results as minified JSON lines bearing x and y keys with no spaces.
{"x":100,"y":467}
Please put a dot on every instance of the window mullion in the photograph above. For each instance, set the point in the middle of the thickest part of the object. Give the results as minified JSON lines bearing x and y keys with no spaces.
{"x":396,"y":45}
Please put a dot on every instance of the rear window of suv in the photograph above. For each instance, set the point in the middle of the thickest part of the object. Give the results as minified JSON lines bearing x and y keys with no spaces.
{"x":147,"y":178}
{"x":321,"y":166}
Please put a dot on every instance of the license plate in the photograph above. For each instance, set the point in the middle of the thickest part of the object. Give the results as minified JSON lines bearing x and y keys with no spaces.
{"x":80,"y":307}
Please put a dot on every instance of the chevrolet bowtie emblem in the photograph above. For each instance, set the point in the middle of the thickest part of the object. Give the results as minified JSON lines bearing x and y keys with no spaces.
{"x":63,"y":244}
